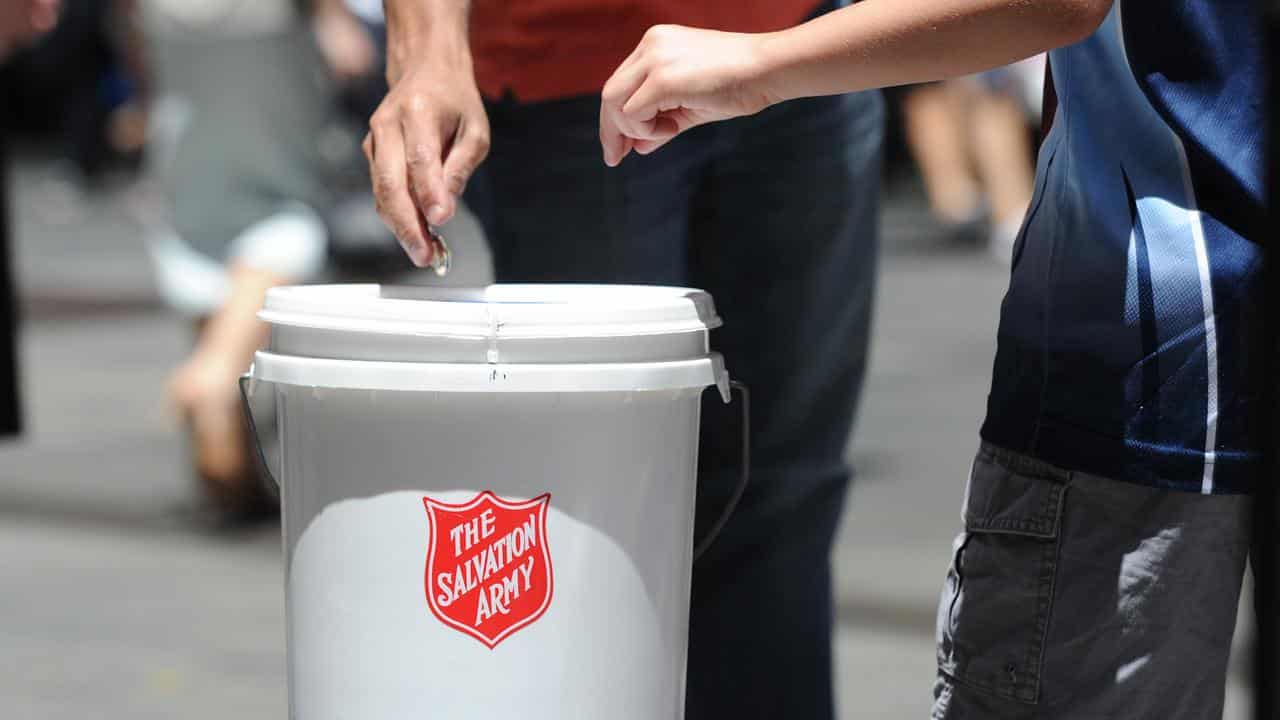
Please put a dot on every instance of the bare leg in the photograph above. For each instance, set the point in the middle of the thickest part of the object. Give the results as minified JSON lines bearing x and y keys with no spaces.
{"x":935,"y":126}
{"x":1002,"y":154}
{"x":204,"y":389}
{"x":1003,"y":159}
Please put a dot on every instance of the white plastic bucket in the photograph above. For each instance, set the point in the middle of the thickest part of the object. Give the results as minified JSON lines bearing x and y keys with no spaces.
{"x":487,"y":496}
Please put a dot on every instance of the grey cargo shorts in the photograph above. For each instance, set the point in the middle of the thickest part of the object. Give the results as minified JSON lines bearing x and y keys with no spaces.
{"x":1075,"y":596}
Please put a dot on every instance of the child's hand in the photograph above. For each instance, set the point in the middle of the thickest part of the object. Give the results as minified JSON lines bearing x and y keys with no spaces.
{"x":678,"y":78}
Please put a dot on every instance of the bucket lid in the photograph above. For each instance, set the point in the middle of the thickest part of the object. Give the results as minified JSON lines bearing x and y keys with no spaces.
{"x":509,"y":311}
{"x":525,"y":338}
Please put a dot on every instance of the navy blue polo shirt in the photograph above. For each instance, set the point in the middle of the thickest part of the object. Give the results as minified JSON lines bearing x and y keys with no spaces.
{"x":1129,"y":341}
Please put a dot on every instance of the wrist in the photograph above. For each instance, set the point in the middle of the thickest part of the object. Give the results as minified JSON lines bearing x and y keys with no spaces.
{"x":445,"y":52}
{"x":423,"y":32}
{"x":769,"y":72}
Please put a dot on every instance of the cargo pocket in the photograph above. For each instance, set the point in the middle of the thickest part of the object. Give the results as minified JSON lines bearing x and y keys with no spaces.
{"x":995,"y":609}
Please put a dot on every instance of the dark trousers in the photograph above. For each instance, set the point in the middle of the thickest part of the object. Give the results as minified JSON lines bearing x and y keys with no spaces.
{"x":10,"y":423}
{"x":776,"y":216}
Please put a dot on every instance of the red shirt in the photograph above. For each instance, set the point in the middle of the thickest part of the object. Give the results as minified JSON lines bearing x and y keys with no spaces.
{"x":545,"y":49}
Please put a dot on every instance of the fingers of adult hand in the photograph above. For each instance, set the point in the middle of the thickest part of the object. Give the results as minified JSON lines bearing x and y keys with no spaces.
{"x":389,"y":172}
{"x":424,"y":136}
{"x":468,"y":151}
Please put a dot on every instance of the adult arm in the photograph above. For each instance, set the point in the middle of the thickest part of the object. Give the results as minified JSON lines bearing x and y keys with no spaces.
{"x":430,"y":132}
{"x":681,"y":77}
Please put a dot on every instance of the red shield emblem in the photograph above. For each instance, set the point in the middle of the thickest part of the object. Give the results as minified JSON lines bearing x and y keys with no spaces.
{"x":488,"y":565}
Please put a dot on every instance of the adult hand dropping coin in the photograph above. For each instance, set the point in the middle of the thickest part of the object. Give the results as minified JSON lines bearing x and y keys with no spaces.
{"x":424,"y":142}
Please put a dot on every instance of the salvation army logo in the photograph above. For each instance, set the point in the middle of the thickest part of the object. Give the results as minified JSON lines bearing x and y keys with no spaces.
{"x":488,"y":565}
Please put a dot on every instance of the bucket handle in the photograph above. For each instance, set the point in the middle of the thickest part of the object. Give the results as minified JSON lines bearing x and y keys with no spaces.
{"x":745,"y":474}
{"x":699,"y":549}
{"x":255,"y":439}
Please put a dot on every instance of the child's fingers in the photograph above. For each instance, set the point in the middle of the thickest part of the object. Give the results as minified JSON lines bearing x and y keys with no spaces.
{"x":613,"y":141}
{"x":623,"y":83}
{"x":644,"y":147}
{"x":641,"y":111}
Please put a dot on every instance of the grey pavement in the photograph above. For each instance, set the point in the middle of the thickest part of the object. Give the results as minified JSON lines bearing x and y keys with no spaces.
{"x":116,"y":602}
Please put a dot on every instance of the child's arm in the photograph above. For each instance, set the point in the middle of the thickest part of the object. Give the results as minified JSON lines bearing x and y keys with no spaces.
{"x":681,"y":77}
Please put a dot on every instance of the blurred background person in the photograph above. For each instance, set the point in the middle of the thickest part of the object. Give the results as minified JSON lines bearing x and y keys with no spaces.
{"x":84,"y":87}
{"x":23,"y":20}
{"x":20,"y":22}
{"x":776,"y":216}
{"x":252,"y":148}
{"x":970,"y":140}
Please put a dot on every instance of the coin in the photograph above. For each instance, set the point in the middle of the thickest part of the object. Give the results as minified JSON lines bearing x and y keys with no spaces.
{"x":441,"y":257}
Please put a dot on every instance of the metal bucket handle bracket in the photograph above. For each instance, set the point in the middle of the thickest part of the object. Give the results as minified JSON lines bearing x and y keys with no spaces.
{"x":744,"y":479}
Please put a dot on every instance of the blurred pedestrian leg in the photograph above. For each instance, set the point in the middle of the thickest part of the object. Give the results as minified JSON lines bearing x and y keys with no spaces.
{"x":20,"y":22}
{"x":969,"y":137}
{"x":933,"y":116}
{"x":998,"y":130}
{"x":204,"y":391}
